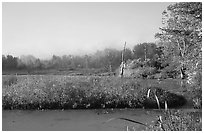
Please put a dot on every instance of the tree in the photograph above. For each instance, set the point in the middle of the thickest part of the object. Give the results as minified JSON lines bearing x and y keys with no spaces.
{"x":9,"y":62}
{"x":138,"y":51}
{"x":128,"y":54}
{"x":146,"y":51}
{"x":112,"y":59}
{"x":3,"y":62}
{"x":182,"y":34}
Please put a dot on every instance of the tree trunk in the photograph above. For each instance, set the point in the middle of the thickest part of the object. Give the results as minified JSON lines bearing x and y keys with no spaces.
{"x":183,"y":76}
{"x":122,"y":64}
{"x":182,"y":73}
{"x":122,"y":69}
{"x":110,"y":68}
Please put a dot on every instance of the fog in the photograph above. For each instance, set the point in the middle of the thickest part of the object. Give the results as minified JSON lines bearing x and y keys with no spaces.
{"x":46,"y":29}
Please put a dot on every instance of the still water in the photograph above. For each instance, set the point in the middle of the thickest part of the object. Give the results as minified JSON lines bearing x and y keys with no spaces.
{"x":76,"y":120}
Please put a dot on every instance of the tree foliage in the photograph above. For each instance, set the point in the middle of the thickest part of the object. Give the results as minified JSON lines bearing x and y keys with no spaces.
{"x":145,"y":50}
{"x":9,"y":62}
{"x":182,"y":34}
{"x":101,"y":59}
{"x":181,"y":38}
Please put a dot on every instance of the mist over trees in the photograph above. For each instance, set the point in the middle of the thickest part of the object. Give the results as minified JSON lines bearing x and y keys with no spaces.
{"x":107,"y":59}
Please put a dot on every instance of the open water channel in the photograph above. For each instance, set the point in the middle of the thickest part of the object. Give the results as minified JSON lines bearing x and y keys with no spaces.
{"x":72,"y":120}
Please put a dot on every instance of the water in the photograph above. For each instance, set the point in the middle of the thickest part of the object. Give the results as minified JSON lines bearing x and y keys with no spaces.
{"x":76,"y":120}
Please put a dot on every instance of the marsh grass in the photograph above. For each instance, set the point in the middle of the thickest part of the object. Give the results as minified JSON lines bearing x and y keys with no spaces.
{"x":178,"y":120}
{"x":80,"y":92}
{"x":9,"y":80}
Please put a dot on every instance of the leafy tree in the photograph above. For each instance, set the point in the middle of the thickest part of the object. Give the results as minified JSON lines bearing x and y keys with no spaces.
{"x":138,"y":51}
{"x":9,"y":62}
{"x":182,"y":34}
{"x":145,"y":51}
{"x":181,"y":37}
{"x":66,"y":61}
{"x":28,"y":61}
{"x":128,"y":54}
{"x":112,"y":58}
{"x":3,"y":61}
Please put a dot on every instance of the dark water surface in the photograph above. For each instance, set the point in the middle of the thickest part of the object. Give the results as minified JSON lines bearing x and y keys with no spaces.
{"x":72,"y":120}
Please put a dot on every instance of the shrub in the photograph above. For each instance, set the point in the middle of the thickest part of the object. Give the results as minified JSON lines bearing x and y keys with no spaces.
{"x":134,"y":64}
{"x":143,"y":72}
{"x":176,"y":120}
{"x":170,"y":72}
{"x":194,"y":88}
{"x":148,"y":71}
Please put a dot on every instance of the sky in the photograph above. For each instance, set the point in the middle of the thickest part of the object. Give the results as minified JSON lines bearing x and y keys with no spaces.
{"x":46,"y":29}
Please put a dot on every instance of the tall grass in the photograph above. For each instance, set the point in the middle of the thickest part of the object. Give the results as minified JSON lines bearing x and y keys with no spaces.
{"x":63,"y":92}
{"x":9,"y":80}
{"x":177,"y":120}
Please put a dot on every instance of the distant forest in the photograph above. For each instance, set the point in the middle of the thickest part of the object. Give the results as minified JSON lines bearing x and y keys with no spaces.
{"x":107,"y":59}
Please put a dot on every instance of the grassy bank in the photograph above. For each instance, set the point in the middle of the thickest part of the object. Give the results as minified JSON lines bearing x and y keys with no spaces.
{"x":171,"y":120}
{"x":178,"y":120}
{"x":81,"y":92}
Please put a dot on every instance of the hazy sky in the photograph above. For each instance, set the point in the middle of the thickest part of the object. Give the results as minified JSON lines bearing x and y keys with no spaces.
{"x":44,"y":29}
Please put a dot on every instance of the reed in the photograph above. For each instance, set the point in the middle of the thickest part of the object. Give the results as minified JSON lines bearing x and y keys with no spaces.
{"x":158,"y":104}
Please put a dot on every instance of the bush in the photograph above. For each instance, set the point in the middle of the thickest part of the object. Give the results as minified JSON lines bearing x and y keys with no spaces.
{"x":194,"y":88}
{"x":148,"y":71}
{"x":170,"y":72}
{"x":173,"y":120}
{"x":143,"y":72}
{"x":134,"y":64}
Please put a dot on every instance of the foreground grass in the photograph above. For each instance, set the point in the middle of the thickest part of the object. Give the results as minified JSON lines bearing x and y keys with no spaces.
{"x":81,"y":92}
{"x":178,"y":120}
{"x":171,"y":120}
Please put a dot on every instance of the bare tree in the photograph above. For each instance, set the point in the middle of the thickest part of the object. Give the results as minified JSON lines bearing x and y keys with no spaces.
{"x":122,"y":66}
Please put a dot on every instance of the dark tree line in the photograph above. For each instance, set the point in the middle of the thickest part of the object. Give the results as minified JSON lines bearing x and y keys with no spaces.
{"x":108,"y":59}
{"x":9,"y":62}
